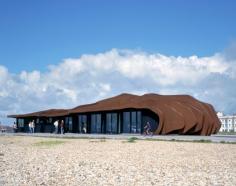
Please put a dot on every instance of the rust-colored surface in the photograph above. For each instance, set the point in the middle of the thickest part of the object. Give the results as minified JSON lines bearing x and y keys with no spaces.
{"x":179,"y":114}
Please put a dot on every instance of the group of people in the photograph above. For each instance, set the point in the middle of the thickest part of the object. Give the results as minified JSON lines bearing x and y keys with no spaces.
{"x":31,"y":126}
{"x":59,"y":127}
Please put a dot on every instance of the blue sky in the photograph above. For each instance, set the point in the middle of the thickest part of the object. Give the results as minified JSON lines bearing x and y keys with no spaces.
{"x":69,"y":52}
{"x":34,"y":34}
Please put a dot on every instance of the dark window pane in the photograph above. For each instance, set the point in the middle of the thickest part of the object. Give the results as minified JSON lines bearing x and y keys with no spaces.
{"x":108,"y":123}
{"x":93,"y":123}
{"x":119,"y":123}
{"x":139,"y":121}
{"x":82,"y":124}
{"x":133,"y":123}
{"x":20,"y":122}
{"x":126,"y":122}
{"x":114,"y":122}
{"x":96,"y":123}
{"x":68,"y":123}
{"x":111,"y":123}
{"x":99,"y":123}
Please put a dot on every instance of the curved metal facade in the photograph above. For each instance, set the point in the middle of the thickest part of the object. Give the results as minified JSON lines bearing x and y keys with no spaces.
{"x":178,"y":114}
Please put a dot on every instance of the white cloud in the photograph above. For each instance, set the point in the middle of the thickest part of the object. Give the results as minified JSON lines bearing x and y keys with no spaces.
{"x":3,"y":74}
{"x":93,"y":77}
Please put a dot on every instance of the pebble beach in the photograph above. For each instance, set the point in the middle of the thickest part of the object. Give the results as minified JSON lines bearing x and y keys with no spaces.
{"x":50,"y":161}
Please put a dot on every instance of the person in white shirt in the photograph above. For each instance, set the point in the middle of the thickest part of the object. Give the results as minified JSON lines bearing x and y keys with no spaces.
{"x":32,"y":126}
{"x":15,"y":127}
{"x":56,"y":126}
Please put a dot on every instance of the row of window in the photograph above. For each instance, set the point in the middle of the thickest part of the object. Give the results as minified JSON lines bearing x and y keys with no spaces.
{"x":131,"y":123}
{"x":228,"y":126}
{"x":228,"y":130}
{"x":227,"y":120}
{"x":124,"y":122}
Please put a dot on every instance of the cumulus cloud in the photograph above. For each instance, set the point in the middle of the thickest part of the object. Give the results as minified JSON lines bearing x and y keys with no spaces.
{"x":92,"y":77}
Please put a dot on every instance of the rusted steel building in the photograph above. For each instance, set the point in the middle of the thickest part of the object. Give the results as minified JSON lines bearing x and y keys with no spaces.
{"x":127,"y":113}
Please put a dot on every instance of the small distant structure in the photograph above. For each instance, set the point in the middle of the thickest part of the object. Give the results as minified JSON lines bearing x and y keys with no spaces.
{"x":228,"y":122}
{"x":2,"y":128}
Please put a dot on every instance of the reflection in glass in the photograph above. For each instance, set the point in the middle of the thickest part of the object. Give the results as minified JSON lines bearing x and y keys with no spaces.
{"x":111,"y":123}
{"x":96,"y":123}
{"x":139,"y":121}
{"x":68,"y":123}
{"x":134,"y":122}
{"x":126,"y":122}
{"x":82,"y":125}
{"x":114,"y":123}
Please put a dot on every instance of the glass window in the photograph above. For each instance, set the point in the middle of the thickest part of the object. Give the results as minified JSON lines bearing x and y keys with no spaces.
{"x":70,"y":124}
{"x":20,"y":122}
{"x":99,"y":123}
{"x":82,"y":125}
{"x":93,"y":123}
{"x":96,"y":123}
{"x":114,"y":122}
{"x":139,"y":121}
{"x":108,"y":123}
{"x":126,"y":122}
{"x":133,"y":122}
{"x":111,"y":123}
{"x":119,"y":123}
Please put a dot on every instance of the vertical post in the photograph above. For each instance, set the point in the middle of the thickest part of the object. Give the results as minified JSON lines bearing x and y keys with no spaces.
{"x":88,"y":123}
{"x":121,"y":122}
{"x":17,"y":123}
{"x":74,"y":123}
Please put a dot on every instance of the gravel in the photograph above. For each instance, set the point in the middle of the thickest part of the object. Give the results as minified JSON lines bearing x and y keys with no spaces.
{"x":23,"y":161}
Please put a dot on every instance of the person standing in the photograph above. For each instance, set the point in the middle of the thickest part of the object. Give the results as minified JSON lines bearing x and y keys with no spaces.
{"x":56,"y":127}
{"x":14,"y":127}
{"x":84,"y":129}
{"x":32,"y":126}
{"x":62,"y":127}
